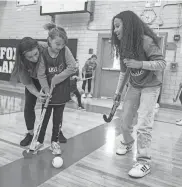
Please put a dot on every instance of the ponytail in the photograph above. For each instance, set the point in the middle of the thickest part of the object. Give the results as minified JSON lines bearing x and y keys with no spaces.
{"x":49,"y":26}
{"x":55,"y":30}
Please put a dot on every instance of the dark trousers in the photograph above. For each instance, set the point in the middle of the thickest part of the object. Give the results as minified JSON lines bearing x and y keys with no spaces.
{"x":78,"y":96}
{"x":85,"y":82}
{"x":29,"y":108}
{"x":57,"y":122}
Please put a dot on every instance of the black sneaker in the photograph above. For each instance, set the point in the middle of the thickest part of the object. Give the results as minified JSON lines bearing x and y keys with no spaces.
{"x":62,"y":139}
{"x":27,"y":140}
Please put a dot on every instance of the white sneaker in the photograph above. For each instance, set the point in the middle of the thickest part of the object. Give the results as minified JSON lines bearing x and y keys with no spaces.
{"x":123,"y":149}
{"x":38,"y":146}
{"x":157,"y":106}
{"x":55,"y":148}
{"x":139,"y":170}
{"x":89,"y":95}
{"x":179,"y":122}
{"x":81,"y":108}
{"x":84,"y":96}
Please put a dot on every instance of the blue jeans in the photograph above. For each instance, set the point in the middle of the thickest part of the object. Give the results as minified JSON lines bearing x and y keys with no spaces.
{"x":139,"y":102}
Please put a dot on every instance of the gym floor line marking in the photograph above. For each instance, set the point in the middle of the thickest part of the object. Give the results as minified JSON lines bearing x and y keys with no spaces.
{"x":11,"y":143}
{"x":33,"y":172}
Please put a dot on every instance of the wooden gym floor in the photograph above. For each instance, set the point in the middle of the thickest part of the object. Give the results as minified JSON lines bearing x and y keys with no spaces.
{"x":89,"y":155}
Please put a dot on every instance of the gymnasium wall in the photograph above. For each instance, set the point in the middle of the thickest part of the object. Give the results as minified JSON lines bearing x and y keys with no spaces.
{"x":16,"y":23}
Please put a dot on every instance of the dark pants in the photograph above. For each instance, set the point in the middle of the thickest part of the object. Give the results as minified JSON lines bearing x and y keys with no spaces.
{"x":57,"y":122}
{"x":180,"y":97}
{"x":29,"y":109}
{"x":89,"y":82}
{"x":78,"y":95}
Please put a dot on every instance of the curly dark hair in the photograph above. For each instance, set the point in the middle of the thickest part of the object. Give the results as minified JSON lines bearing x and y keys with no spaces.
{"x":134,"y":29}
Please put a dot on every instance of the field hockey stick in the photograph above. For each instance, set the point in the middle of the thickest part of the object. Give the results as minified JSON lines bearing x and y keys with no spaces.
{"x":177,"y":95}
{"x":117,"y":99}
{"x":31,"y":151}
{"x":86,"y":79}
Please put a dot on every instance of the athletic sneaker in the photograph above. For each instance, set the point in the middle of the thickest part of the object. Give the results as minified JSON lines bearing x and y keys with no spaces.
{"x":55,"y":148}
{"x":89,"y":95}
{"x":84,"y":96}
{"x":123,"y":149}
{"x":38,"y":145}
{"x":179,"y":122}
{"x":27,"y":140}
{"x":157,"y":106}
{"x":61,"y":138}
{"x":81,"y":107}
{"x":139,"y":170}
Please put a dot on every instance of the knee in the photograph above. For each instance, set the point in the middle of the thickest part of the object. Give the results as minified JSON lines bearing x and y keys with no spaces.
{"x":124,"y":127}
{"x":145,"y":123}
{"x":144,"y":129}
{"x":145,"y":119}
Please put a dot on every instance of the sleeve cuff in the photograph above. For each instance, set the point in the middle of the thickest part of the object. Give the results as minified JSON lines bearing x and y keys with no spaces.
{"x":145,"y":65}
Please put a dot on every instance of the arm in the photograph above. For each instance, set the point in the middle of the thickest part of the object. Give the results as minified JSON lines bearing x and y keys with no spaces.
{"x":27,"y":81}
{"x":95,"y":65}
{"x":32,"y":89}
{"x":70,"y":70}
{"x":84,"y":69}
{"x":83,"y":73}
{"x":79,"y":74}
{"x":156,"y":59}
{"x":42,"y":76}
{"x":42,"y":44}
{"x":94,"y":68}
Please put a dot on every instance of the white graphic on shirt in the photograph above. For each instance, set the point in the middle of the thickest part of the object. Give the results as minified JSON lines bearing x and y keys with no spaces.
{"x":53,"y":69}
{"x":137,"y":73}
{"x":58,"y":69}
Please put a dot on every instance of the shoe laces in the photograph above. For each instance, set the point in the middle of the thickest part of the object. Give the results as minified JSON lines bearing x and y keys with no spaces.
{"x":138,"y":165}
{"x":122,"y":146}
{"x":55,"y":145}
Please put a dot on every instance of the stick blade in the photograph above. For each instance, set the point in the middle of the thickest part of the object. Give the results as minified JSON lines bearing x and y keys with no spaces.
{"x":106,"y":119}
{"x":28,"y":153}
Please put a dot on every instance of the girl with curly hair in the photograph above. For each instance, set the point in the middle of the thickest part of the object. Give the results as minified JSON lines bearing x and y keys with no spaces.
{"x":137,"y":46}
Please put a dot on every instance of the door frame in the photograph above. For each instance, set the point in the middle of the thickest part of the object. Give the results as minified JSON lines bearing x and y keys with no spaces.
{"x":163,"y":35}
{"x":98,"y":73}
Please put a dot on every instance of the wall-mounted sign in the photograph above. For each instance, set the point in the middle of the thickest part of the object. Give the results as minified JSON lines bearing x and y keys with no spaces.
{"x":64,"y":6}
{"x":26,"y":2}
{"x":8,"y":55}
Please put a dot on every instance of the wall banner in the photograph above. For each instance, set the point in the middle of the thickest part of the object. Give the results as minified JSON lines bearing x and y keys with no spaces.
{"x":8,"y":55}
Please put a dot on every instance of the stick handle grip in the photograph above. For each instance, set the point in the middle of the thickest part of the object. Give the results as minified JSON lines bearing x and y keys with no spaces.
{"x":48,"y":98}
{"x":124,"y":81}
